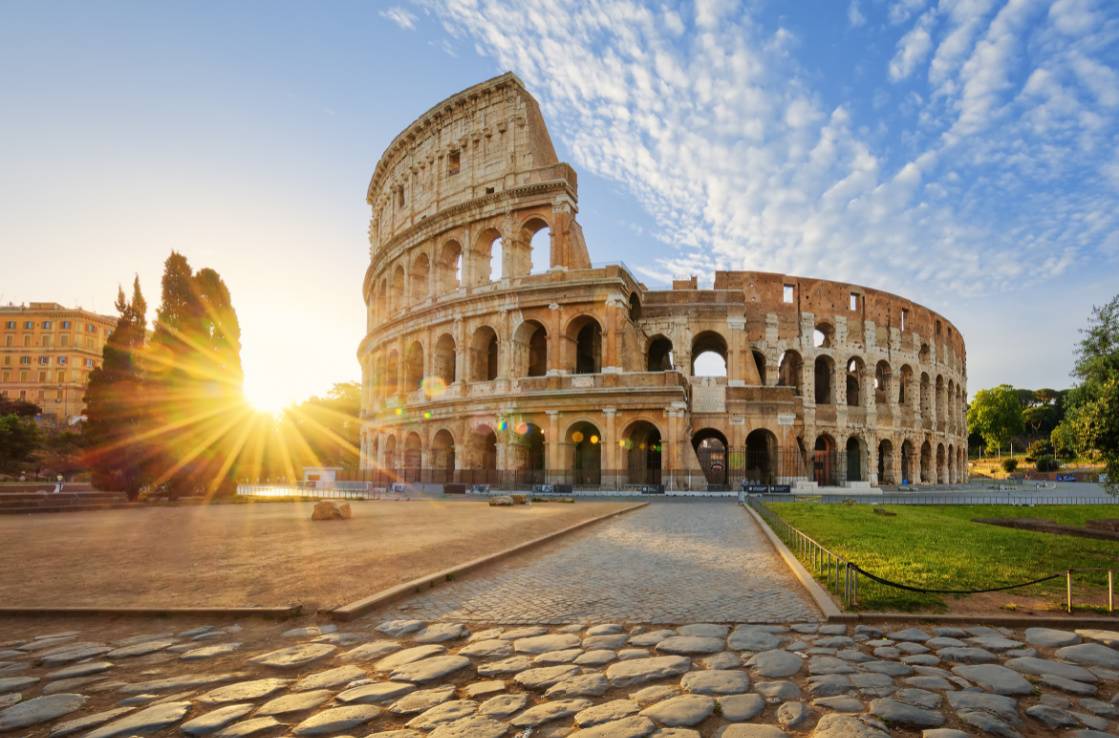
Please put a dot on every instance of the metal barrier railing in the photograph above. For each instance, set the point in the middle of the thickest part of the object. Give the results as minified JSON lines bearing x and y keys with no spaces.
{"x":854,"y":585}
{"x":950,"y":498}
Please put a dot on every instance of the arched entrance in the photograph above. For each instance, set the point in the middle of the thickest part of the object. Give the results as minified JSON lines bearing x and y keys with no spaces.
{"x":642,"y":446}
{"x":926,"y":463}
{"x":761,"y":456}
{"x":659,"y":355}
{"x":585,"y":449}
{"x":529,"y":454}
{"x":443,"y":457}
{"x":483,"y":455}
{"x":886,"y":463}
{"x":907,"y":462}
{"x":413,"y":457}
{"x":855,"y":454}
{"x":823,"y":461}
{"x":584,"y":335}
{"x":711,"y":448}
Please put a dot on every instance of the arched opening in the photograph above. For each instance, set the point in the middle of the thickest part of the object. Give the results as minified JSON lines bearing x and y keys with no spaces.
{"x":823,"y":336}
{"x":711,"y":448}
{"x":584,"y":444}
{"x":790,"y":371}
{"x":951,"y":478}
{"x":381,"y":297}
{"x":483,"y":454}
{"x":584,"y":336}
{"x":531,"y":341}
{"x":413,"y":457}
{"x":825,"y":371}
{"x":941,"y":464}
{"x":824,"y":461}
{"x":488,"y":258}
{"x":926,"y":398}
{"x":949,"y":409}
{"x":397,"y":288}
{"x":855,"y":382}
{"x":709,"y":355}
{"x":856,"y":451}
{"x":926,"y":463}
{"x":882,"y":383}
{"x":905,"y":386}
{"x":528,"y":454}
{"x":907,"y":462}
{"x":483,"y":355}
{"x":392,"y":374}
{"x":443,"y":456}
{"x":445,"y":359}
{"x":761,"y":456}
{"x":924,"y":353}
{"x":886,"y":463}
{"x":421,"y":267}
{"x":538,"y":235}
{"x":414,"y":367}
{"x":659,"y":355}
{"x":449,"y":275}
{"x":759,"y":362}
{"x":642,"y":445}
{"x":634,"y":308}
{"x":390,"y":453}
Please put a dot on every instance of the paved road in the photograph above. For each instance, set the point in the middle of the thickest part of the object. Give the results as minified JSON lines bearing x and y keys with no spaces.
{"x":666,"y":563}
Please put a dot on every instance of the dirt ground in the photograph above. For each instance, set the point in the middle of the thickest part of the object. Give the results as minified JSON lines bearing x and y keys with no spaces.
{"x":265,"y":554}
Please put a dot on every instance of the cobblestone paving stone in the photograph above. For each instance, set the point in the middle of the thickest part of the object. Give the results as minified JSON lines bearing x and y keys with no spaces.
{"x":848,"y":681}
{"x":666,"y":563}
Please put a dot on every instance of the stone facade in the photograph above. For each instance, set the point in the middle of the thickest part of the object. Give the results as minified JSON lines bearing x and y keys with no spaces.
{"x":46,"y":354}
{"x":484,"y":361}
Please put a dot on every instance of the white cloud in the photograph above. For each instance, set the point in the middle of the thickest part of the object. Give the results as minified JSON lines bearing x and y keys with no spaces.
{"x":913,"y":49}
{"x":902,"y":10}
{"x":718,"y":133}
{"x":855,"y":17}
{"x":400,"y":17}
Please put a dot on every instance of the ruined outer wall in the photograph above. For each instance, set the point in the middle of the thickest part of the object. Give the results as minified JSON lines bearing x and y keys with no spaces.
{"x":464,"y":352}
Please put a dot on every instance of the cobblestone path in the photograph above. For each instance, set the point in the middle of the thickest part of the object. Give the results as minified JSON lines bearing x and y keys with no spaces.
{"x":666,"y":563}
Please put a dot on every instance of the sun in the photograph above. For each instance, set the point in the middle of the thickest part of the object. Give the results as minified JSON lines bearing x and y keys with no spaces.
{"x":267,"y":398}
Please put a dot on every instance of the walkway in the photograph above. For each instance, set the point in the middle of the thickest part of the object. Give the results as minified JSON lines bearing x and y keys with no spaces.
{"x":670,"y":562}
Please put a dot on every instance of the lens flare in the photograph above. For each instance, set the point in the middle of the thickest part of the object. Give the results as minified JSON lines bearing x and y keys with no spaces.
{"x":433,"y":387}
{"x":577,"y":436}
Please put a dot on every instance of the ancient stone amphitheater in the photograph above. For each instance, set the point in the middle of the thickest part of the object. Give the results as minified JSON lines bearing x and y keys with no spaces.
{"x":496,"y":352}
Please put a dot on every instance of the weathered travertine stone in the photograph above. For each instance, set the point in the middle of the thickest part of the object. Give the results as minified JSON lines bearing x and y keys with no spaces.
{"x":216,"y":719}
{"x":1050,"y":637}
{"x":421,"y":700}
{"x":739,"y":708}
{"x":12,"y":684}
{"x":704,"y":630}
{"x":839,"y":703}
{"x":371,"y":651}
{"x":470,"y":727}
{"x":967,"y":655}
{"x":478,"y":689}
{"x":996,"y":704}
{"x":503,"y":705}
{"x":994,"y":678}
{"x":909,"y":634}
{"x":336,"y":719}
{"x":543,"y":643}
{"x":440,"y":633}
{"x":682,"y":711}
{"x":250,"y":727}
{"x":72,"y":652}
{"x":243,"y":691}
{"x":409,"y":655}
{"x":545,"y":676}
{"x":377,"y":692}
{"x":1090,"y":654}
{"x":295,"y":702}
{"x":780,"y":690}
{"x":140,"y":649}
{"x":606,"y":712}
{"x":1052,"y":717}
{"x":397,"y":628}
{"x":648,"y":695}
{"x":206,"y":652}
{"x":775,"y":664}
{"x":1031,"y":665}
{"x":565,"y":656}
{"x":86,"y":722}
{"x":39,"y":710}
{"x":510,"y":665}
{"x":1106,"y":637}
{"x":683,"y":644}
{"x":330,"y":678}
{"x":580,"y":685}
{"x":445,"y":712}
{"x":294,"y":657}
{"x":900,"y":713}
{"x":716,"y":681}
{"x":182,"y":681}
{"x":430,"y":669}
{"x":597,"y":657}
{"x":639,"y":671}
{"x":610,"y":641}
{"x":848,"y":726}
{"x":751,"y":730}
{"x":547,"y":711}
{"x":651,"y":638}
{"x":495,"y":648}
{"x":635,"y":726}
{"x":148,"y":720}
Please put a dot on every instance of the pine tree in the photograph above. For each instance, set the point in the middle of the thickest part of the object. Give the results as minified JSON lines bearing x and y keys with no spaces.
{"x":115,"y":410}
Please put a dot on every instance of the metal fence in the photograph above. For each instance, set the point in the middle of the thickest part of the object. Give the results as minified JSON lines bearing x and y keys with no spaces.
{"x":948,"y":498}
{"x":351,"y":492}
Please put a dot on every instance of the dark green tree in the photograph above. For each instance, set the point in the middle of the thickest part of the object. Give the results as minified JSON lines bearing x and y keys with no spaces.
{"x":116,"y":413}
{"x":996,"y":415}
{"x":19,"y":439}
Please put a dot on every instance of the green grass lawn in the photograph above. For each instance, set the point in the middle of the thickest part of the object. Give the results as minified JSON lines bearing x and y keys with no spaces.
{"x":939,"y":547}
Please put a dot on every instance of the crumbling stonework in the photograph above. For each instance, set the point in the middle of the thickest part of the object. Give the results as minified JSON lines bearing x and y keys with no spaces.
{"x":478,"y":367}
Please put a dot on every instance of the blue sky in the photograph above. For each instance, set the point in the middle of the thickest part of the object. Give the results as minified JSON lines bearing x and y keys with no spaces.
{"x":962,"y":153}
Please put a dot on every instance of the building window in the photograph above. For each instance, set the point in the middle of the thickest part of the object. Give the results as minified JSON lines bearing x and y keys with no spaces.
{"x":7,"y":375}
{"x":454,"y":163}
{"x":904,"y":318}
{"x":46,"y":325}
{"x":65,"y":325}
{"x":27,"y":339}
{"x":90,"y":328}
{"x":45,"y":340}
{"x":23,"y":395}
{"x":42,"y":377}
{"x":89,"y":363}
{"x":64,"y":340}
{"x":8,"y":340}
{"x":61,"y":376}
{"x":43,"y":360}
{"x":10,"y":325}
{"x":854,"y":301}
{"x":400,"y":196}
{"x":788,"y":295}
{"x":28,"y":325}
{"x":25,"y":360}
{"x":62,"y":361}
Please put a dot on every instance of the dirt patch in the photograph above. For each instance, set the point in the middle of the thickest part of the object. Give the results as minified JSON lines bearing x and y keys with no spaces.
{"x":1098,"y":529}
{"x":255,"y":554}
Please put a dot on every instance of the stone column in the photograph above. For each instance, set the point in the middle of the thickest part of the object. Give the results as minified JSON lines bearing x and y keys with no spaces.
{"x":671,"y":456}
{"x":736,"y":352}
{"x":611,"y":358}
{"x":610,"y":449}
{"x":872,"y":459}
{"x":552,"y":447}
{"x":555,"y":340}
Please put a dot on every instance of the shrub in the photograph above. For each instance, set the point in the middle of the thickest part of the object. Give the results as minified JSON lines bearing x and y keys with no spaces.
{"x":1009,"y":465}
{"x":1038,"y":449}
{"x":1047,"y":464}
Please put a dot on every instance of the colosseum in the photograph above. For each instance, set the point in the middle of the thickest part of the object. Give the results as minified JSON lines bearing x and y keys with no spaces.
{"x":497,"y":353}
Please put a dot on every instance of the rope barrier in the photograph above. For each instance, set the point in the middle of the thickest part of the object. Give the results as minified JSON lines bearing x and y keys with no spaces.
{"x":921,"y":590}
